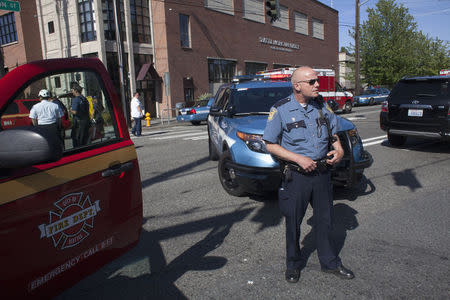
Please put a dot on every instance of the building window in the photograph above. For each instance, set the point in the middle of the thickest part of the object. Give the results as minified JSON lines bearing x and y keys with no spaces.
{"x":223,"y":6}
{"x":87,"y":20}
{"x":317,"y":29}
{"x":252,"y":68}
{"x":254,"y":10}
{"x":301,"y":23}
{"x":57,"y":82}
{"x":279,"y":66}
{"x":8,"y":32}
{"x":140,"y":21}
{"x":108,"y":20}
{"x":283,"y":21}
{"x":221,"y":70}
{"x":184,"y":31}
{"x":51,"y":27}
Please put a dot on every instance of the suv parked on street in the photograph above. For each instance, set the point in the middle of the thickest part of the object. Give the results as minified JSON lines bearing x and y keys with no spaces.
{"x":236,"y":123}
{"x":419,"y":107}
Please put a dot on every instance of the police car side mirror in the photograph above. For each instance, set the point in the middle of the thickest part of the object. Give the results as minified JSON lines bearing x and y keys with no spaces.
{"x":27,"y":146}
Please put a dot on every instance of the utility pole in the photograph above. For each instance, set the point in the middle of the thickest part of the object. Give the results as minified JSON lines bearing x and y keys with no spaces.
{"x":357,"y":75}
{"x":357,"y":60}
{"x":120,"y":59}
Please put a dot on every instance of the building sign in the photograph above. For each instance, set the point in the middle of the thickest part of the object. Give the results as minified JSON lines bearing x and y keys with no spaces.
{"x":279,"y":45}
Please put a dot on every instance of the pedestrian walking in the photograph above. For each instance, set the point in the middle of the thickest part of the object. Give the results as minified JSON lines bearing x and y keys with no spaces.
{"x":136,"y":114}
{"x":302,"y":133}
{"x":46,"y":114}
{"x":80,"y":117}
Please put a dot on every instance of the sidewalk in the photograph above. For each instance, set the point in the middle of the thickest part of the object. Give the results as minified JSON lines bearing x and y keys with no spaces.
{"x":159,"y":123}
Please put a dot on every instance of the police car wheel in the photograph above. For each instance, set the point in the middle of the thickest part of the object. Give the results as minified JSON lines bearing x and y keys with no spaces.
{"x":195,"y":123}
{"x":228,"y":177}
{"x":347,"y":107}
{"x":396,"y":140}
{"x":212,"y":149}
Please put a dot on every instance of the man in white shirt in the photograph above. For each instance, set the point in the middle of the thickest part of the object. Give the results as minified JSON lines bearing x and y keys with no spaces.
{"x":136,"y":114}
{"x":46,"y":113}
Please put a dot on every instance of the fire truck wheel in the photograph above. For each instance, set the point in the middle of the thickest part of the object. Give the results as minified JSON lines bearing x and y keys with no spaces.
{"x":347,"y":107}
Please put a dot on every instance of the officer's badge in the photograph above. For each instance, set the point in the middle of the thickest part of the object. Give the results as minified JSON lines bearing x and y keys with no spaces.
{"x":272,"y":113}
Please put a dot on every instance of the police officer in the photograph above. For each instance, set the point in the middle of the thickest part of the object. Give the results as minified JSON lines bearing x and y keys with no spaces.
{"x":297,"y":133}
{"x":46,"y":113}
{"x":81,"y":118}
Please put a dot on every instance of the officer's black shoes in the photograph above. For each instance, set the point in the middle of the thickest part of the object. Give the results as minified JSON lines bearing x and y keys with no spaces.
{"x":341,"y":272}
{"x":292,"y":276}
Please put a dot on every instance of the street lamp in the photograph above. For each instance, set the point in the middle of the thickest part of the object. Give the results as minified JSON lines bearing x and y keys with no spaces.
{"x":357,"y":61}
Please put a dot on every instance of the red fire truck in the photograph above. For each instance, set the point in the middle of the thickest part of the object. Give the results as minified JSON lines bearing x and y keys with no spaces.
{"x":336,"y":96}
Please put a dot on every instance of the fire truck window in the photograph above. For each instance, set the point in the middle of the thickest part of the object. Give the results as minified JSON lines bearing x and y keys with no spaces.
{"x":87,"y":118}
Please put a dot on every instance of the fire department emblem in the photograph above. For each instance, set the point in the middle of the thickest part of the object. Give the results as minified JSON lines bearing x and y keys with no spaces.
{"x":70,"y":223}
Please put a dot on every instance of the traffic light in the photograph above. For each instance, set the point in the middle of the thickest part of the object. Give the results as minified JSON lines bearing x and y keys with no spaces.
{"x":273,"y":10}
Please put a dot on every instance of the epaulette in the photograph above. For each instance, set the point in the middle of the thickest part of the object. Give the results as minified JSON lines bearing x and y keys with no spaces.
{"x":282,"y":101}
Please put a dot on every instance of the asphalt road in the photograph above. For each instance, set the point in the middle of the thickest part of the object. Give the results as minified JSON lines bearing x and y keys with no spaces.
{"x":200,"y":243}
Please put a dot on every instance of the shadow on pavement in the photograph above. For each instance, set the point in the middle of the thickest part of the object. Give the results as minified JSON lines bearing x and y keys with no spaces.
{"x":160,"y":283}
{"x":364,"y":187}
{"x":344,"y":219}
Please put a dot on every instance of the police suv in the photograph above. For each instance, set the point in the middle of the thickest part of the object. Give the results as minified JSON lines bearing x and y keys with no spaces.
{"x":236,"y":123}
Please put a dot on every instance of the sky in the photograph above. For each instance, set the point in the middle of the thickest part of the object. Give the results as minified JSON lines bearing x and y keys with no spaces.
{"x":432,"y":17}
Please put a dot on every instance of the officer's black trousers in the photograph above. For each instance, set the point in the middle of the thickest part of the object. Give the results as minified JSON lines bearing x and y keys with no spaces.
{"x":294,"y":197}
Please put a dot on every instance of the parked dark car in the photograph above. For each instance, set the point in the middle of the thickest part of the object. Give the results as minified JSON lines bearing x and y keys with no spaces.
{"x":419,"y":107}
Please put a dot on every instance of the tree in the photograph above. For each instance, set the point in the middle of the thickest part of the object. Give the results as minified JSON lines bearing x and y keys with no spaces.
{"x":391,"y":46}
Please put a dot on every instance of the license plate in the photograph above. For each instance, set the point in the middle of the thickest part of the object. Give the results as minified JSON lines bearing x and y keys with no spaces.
{"x":415,"y":112}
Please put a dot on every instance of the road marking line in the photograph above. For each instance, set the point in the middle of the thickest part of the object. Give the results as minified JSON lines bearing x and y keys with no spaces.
{"x":373,"y":143}
{"x":196,"y":138}
{"x":375,"y":138}
{"x":176,"y":136}
{"x":356,"y":118}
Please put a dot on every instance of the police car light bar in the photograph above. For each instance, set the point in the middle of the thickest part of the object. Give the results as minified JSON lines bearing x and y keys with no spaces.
{"x":277,"y":76}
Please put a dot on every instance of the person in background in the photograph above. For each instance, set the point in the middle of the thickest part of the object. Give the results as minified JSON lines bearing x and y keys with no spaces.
{"x":136,"y":114}
{"x":80,"y":113}
{"x":46,"y":114}
{"x":97,"y":119}
{"x":302,"y":133}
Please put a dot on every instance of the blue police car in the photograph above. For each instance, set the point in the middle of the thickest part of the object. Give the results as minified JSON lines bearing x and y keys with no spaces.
{"x":197,"y":113}
{"x":236,"y":123}
{"x":371,"y":96}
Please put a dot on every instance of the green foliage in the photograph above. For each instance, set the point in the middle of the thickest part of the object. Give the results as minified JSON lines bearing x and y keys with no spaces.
{"x":204,"y":96}
{"x":391,"y":47}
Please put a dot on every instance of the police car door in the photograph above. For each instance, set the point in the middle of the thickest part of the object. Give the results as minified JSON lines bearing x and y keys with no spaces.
{"x":64,"y":216}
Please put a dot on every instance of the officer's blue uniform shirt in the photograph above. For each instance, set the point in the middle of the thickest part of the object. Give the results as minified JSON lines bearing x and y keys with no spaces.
{"x":298,"y":129}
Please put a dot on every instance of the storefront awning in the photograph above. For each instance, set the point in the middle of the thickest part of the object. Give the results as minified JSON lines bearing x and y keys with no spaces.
{"x":148,"y":72}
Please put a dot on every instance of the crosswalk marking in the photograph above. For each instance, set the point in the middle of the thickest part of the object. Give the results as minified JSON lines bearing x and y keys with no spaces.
{"x":184,"y":134}
{"x":196,"y":135}
{"x":374,"y":140}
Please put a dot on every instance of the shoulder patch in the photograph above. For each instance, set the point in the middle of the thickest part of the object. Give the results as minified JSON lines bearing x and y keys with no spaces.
{"x":282,"y":102}
{"x":272,"y":113}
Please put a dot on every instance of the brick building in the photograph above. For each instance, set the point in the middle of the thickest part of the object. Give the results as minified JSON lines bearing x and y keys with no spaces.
{"x":19,"y":35}
{"x":196,"y":45}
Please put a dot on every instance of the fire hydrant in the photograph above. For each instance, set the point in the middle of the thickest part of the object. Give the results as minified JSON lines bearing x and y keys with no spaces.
{"x":147,"y":118}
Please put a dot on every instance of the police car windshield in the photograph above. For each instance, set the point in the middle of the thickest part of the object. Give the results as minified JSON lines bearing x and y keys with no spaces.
{"x":258,"y":100}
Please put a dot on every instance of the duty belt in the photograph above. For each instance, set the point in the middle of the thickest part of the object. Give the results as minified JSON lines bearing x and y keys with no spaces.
{"x":322,"y":167}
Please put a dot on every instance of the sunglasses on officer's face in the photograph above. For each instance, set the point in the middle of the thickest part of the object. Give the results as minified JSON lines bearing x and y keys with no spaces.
{"x":310,"y":82}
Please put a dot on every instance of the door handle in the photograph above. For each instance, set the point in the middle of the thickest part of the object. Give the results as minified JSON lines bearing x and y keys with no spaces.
{"x":117,"y":169}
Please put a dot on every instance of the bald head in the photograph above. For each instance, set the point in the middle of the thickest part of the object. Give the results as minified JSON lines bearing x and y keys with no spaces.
{"x":305,"y":84}
{"x":302,"y":73}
